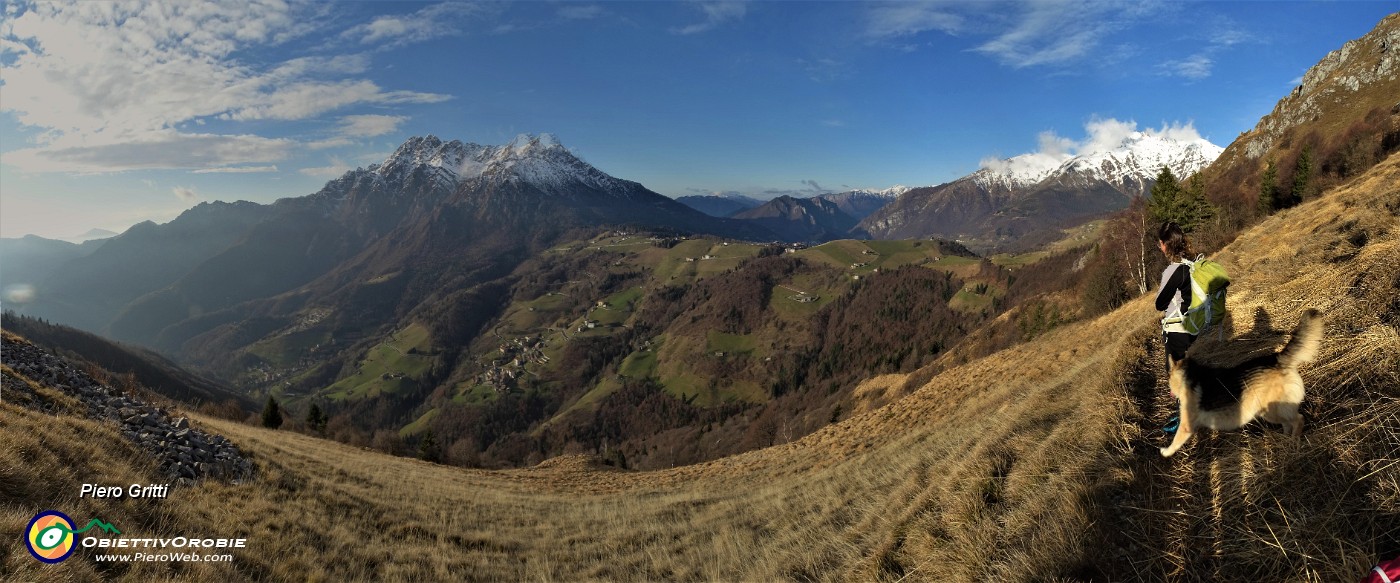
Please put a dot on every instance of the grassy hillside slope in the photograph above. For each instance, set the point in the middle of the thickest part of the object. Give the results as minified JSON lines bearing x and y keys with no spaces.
{"x":1036,"y":462}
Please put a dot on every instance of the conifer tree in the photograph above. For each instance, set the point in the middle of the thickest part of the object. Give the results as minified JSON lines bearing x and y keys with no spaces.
{"x":428,"y":450}
{"x":1187,"y":206}
{"x":1165,"y":203}
{"x":316,"y":419}
{"x":1302,"y":173}
{"x":1198,"y":209}
{"x":272,"y":414}
{"x":1268,"y":189}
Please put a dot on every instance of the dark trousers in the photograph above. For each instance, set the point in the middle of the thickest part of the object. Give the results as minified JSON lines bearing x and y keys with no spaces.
{"x":1176,"y":343}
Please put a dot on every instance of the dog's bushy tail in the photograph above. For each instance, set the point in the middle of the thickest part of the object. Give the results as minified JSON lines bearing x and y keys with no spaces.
{"x":1303,"y":346}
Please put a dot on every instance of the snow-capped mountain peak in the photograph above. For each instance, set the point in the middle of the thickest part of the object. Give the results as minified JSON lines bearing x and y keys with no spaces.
{"x":443,"y":160}
{"x":1131,"y":163}
{"x":1017,"y":171}
{"x":538,"y":160}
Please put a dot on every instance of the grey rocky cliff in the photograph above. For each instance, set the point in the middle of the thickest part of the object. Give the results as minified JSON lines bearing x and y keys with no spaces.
{"x":1360,"y":65}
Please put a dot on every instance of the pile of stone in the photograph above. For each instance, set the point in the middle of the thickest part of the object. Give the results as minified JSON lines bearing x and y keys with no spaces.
{"x":183,"y":453}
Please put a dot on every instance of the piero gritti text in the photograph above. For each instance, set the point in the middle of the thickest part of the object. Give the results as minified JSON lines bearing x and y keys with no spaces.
{"x":132,"y":491}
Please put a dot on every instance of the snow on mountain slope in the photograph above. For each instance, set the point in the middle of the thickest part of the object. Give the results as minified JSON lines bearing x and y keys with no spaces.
{"x":540,"y":161}
{"x":1130,"y":164}
{"x":891,"y":192}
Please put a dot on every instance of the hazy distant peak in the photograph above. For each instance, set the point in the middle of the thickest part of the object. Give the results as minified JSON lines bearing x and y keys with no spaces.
{"x":91,"y":235}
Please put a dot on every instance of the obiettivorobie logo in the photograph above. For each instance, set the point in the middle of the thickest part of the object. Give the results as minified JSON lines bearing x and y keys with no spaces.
{"x":51,"y":537}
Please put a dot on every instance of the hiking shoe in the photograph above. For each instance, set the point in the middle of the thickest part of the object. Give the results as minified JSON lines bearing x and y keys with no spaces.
{"x":1172,"y":424}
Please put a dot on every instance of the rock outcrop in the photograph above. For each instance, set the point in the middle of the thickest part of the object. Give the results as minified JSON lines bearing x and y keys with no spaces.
{"x":183,"y":453}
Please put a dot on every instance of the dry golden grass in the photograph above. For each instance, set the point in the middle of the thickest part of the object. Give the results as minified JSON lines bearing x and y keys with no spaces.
{"x":1037,"y":463}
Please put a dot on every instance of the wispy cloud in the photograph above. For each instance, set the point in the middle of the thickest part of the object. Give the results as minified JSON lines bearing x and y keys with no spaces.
{"x":161,"y":150}
{"x":1219,"y":36}
{"x":336,"y":168}
{"x":351,"y":128}
{"x":1050,"y":33}
{"x":430,"y":22}
{"x":580,"y":11}
{"x":1062,"y":32}
{"x":185,"y":194}
{"x":1194,"y":67}
{"x":236,"y":170}
{"x":896,"y":20}
{"x":109,"y":84}
{"x":814,"y":187}
{"x":368,"y":126}
{"x":824,"y":70}
{"x":716,"y":13}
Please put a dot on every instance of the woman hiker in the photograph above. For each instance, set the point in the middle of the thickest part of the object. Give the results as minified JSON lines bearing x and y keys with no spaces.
{"x":1174,"y":296}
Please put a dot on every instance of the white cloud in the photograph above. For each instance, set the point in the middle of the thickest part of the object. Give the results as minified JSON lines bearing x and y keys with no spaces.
{"x":99,"y":78}
{"x":716,"y":13}
{"x":185,"y":194}
{"x":437,"y":20}
{"x":1102,"y":135}
{"x":236,"y":170}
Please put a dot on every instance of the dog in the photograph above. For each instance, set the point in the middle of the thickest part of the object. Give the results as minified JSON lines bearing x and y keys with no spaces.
{"x":1225,"y":399}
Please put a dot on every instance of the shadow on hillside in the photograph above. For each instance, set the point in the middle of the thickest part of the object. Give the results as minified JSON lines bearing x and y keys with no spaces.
{"x":1223,"y":347}
{"x":1254,"y":504}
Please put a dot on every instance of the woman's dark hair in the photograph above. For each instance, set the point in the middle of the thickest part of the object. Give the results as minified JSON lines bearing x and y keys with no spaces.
{"x":1177,"y":246}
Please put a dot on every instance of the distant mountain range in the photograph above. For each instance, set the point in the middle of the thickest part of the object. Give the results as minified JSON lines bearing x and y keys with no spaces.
{"x":1010,"y":201}
{"x":720,"y":205}
{"x":433,"y":218}
{"x":802,"y":219}
{"x":819,"y":218}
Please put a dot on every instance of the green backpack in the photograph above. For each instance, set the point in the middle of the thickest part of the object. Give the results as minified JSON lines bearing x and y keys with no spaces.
{"x":1207,"y":309}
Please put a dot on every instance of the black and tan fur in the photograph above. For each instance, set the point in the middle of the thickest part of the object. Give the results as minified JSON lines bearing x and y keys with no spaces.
{"x":1267,"y":387}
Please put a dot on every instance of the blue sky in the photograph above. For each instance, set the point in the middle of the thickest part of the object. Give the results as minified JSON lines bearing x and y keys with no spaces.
{"x":115,"y":113}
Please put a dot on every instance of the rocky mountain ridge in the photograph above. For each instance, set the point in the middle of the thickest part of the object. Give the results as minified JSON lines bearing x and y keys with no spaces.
{"x":1016,"y":201}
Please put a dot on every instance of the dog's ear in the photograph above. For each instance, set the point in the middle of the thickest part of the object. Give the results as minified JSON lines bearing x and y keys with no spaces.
{"x":1172,"y":363}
